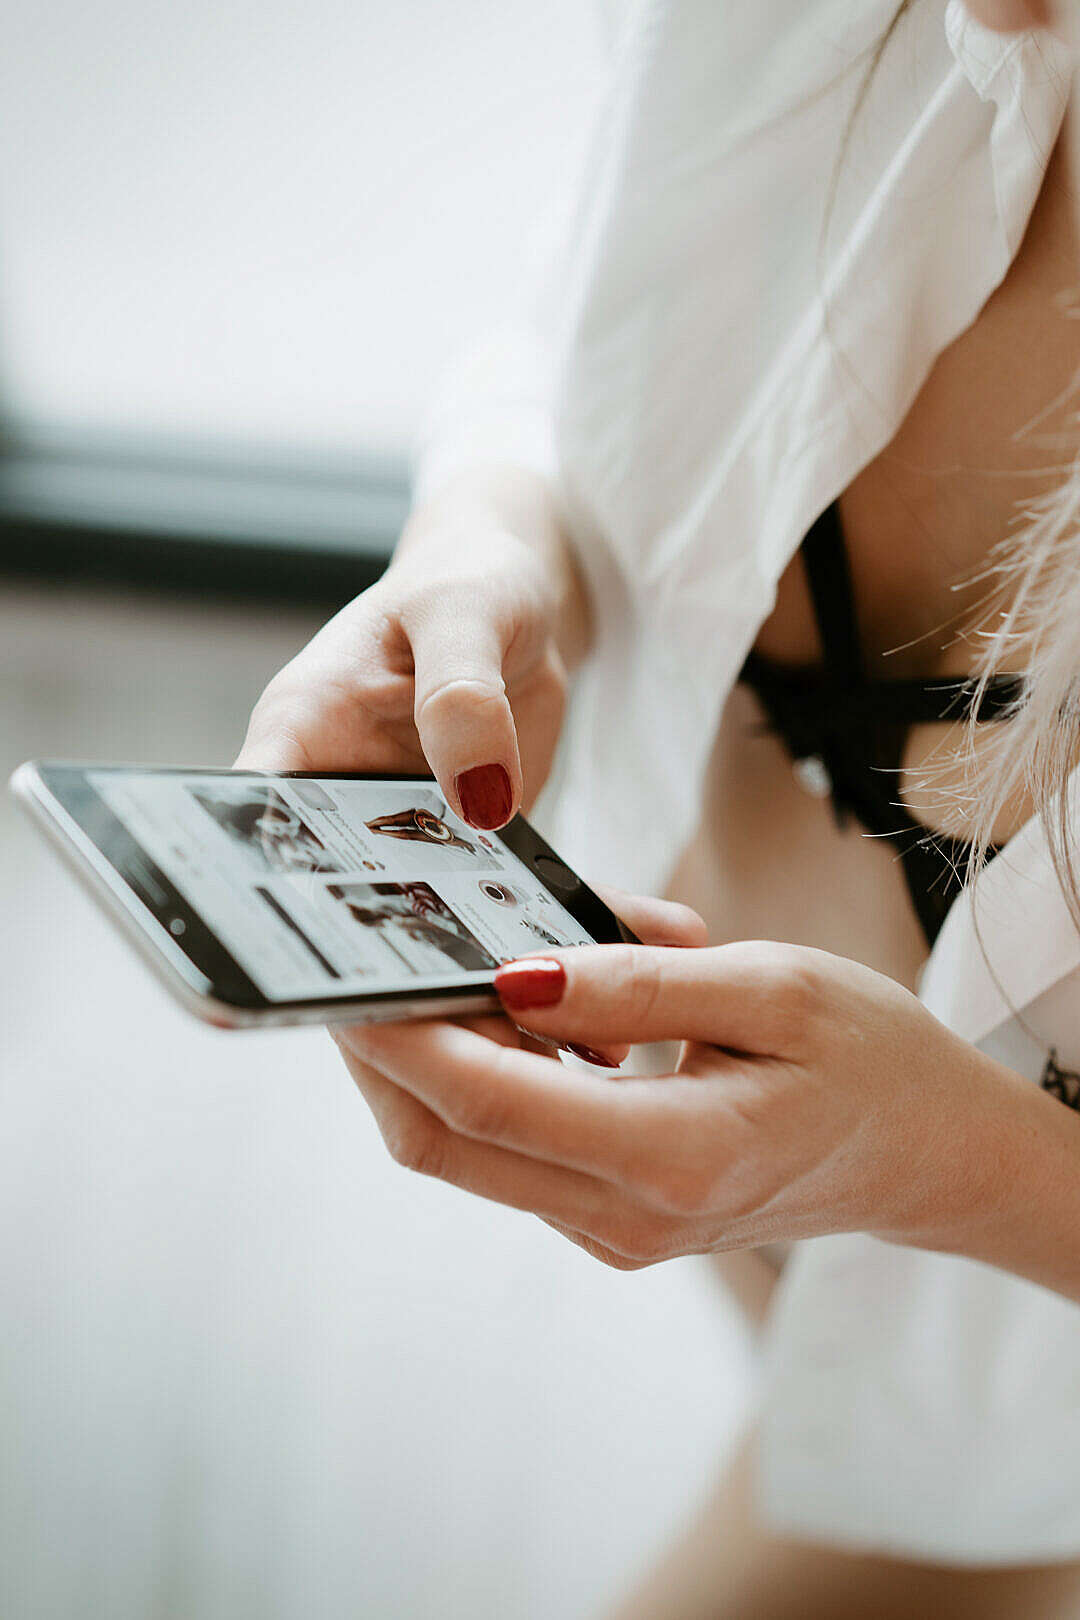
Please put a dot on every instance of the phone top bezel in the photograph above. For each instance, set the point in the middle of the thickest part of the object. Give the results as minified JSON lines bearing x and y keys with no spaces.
{"x":213,"y":972}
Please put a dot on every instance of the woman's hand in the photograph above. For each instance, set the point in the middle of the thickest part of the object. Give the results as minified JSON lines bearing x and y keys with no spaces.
{"x":455,"y":660}
{"x":811,"y":1095}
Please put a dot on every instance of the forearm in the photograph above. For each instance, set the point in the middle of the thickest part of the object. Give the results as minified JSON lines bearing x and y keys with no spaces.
{"x":524,"y":505}
{"x":1016,"y":1197}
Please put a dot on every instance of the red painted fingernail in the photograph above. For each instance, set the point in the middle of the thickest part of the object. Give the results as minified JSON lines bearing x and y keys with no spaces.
{"x":485,"y":796}
{"x":589,"y":1055}
{"x":534,"y":982}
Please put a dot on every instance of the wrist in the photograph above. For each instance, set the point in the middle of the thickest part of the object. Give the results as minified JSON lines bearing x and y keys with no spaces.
{"x":1011,"y":1193}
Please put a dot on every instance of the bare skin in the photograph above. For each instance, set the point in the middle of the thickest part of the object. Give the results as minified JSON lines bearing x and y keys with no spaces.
{"x":916,"y":520}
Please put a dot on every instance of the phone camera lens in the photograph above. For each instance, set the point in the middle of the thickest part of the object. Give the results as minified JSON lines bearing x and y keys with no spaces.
{"x":178,"y":926}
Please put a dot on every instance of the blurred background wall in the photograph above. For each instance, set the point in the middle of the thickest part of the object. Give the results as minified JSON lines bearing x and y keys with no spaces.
{"x":249,"y":1368}
{"x":270,"y":224}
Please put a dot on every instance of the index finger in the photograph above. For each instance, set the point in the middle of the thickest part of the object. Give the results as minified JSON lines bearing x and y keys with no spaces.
{"x":340,"y":704}
{"x":751,"y":996}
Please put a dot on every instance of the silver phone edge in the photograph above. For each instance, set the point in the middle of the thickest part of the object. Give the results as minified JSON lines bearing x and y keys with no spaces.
{"x":169,"y":965}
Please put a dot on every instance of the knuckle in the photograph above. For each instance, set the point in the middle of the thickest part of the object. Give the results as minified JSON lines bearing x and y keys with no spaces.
{"x":799,"y":1002}
{"x":636,"y":973}
{"x":288,"y":697}
{"x":417,"y":1147}
{"x":471,"y":694}
{"x":276,"y":700}
{"x":646,"y":1243}
{"x":283,"y":717}
{"x":614,"y":1259}
{"x":793,"y":983}
{"x":685,"y":1190}
{"x":364,"y":672}
{"x":482,"y":1114}
{"x":647,"y":980}
{"x":332,"y":700}
{"x":330,"y":692}
{"x":619,"y":1262}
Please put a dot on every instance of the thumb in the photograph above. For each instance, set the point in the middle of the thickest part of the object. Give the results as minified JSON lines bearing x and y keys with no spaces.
{"x":462,"y":714}
{"x":655,"y":922}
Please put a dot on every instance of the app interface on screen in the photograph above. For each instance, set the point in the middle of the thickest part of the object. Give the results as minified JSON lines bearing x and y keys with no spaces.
{"x":324,"y":888}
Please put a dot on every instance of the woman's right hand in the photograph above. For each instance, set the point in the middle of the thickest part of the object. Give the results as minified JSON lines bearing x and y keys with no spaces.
{"x":452,"y":662}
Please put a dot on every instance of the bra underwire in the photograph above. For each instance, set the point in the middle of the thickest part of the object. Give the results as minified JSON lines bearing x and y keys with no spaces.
{"x":851,"y":729}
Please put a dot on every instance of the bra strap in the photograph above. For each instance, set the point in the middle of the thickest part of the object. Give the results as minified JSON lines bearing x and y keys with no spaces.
{"x":828,"y":576}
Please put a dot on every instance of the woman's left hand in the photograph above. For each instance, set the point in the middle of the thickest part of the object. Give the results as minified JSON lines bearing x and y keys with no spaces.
{"x":811,"y":1095}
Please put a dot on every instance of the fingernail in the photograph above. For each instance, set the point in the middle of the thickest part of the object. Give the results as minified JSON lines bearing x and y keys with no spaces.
{"x":485,"y":796}
{"x":588,"y":1054}
{"x":534,"y":982}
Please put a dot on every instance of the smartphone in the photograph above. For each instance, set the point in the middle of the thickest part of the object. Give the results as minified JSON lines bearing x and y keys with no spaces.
{"x":299,"y":898}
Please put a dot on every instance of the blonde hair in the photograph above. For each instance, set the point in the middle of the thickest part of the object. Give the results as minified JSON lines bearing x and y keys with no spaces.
{"x":1034,"y":747}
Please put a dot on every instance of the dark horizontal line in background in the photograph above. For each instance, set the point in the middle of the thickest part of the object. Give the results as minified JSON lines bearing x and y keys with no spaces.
{"x":164,"y":518}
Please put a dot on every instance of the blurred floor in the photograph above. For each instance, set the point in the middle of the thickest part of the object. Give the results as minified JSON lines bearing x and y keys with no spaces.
{"x":250,"y":1369}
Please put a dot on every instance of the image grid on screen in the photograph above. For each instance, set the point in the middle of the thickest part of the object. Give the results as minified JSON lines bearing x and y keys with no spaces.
{"x":336,"y":887}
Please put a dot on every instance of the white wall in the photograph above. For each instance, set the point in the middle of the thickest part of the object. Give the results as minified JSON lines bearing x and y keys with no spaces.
{"x":265,"y":222}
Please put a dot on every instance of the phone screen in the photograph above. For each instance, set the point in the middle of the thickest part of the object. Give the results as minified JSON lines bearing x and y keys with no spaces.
{"x":329,"y":886}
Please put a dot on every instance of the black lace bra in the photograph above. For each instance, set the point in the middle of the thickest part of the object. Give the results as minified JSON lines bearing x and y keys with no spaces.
{"x":846,"y":732}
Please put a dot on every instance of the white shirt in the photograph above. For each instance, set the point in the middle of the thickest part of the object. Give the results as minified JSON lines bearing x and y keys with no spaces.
{"x":706,"y":370}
